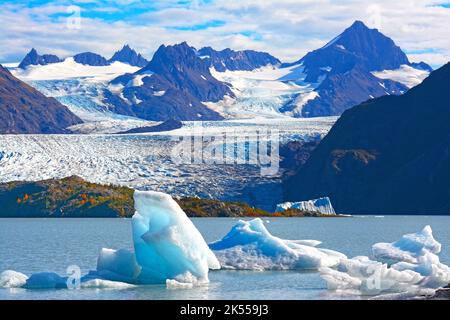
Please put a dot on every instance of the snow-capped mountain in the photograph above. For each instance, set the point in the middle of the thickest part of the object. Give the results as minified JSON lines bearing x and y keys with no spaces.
{"x":347,"y":69}
{"x":130,"y":56}
{"x":172,"y":86}
{"x":358,"y":65}
{"x":23,"y":109}
{"x":231,"y":60}
{"x":33,"y":58}
{"x":390,"y":155}
{"x":183,"y":83}
{"x":90,"y":59}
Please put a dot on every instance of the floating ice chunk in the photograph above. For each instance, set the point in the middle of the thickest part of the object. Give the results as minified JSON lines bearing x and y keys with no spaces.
{"x":118,"y":265}
{"x":321,"y":205}
{"x":184,"y":281}
{"x":166,"y":242}
{"x":407,"y":266}
{"x":250,"y":246}
{"x":46,"y":280}
{"x":105,"y":284}
{"x":167,"y":246}
{"x":174,"y":284}
{"x":12,"y":279}
{"x":408,"y":248}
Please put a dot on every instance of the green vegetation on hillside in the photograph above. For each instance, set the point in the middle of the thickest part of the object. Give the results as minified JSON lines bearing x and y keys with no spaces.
{"x":75,"y":197}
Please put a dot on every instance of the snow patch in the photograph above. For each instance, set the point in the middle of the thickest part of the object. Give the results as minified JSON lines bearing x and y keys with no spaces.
{"x":69,"y":69}
{"x":406,"y":75}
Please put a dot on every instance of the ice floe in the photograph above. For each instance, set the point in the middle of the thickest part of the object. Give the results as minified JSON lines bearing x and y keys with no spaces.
{"x":12,"y":279}
{"x":409,"y":266}
{"x":250,"y":246}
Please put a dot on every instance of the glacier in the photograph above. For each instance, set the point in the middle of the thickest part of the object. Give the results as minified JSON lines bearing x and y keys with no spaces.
{"x":250,"y":246}
{"x":409,"y":266}
{"x":321,"y":205}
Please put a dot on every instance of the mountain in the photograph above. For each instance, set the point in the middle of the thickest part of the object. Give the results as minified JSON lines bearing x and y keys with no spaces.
{"x":33,"y":58}
{"x":343,"y":70}
{"x":91,"y":59}
{"x":130,"y":56}
{"x":23,"y":109}
{"x":174,"y":85}
{"x":389,"y":155}
{"x":236,"y":60}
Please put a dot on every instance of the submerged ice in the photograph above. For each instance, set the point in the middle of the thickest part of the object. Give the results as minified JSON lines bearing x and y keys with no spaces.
{"x":409,"y":265}
{"x":250,"y":246}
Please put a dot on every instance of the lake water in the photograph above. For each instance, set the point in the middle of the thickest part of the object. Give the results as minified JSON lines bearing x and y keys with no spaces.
{"x":36,"y":245}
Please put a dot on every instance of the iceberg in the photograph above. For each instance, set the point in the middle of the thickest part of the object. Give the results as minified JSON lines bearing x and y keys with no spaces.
{"x":12,"y":279}
{"x":321,"y":205}
{"x":167,"y":246}
{"x":408,"y":266}
{"x":250,"y":246}
{"x":168,"y":249}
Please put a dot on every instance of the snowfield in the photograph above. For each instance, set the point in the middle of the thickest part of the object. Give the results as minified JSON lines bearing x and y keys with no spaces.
{"x":264,"y":92}
{"x":406,"y":75}
{"x":80,"y":88}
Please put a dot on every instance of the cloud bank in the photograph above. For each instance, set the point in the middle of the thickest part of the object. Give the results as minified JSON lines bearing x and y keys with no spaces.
{"x":287,"y":29}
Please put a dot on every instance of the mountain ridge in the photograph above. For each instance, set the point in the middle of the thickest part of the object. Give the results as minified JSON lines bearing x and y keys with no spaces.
{"x":23,"y":109}
{"x":390,"y":155}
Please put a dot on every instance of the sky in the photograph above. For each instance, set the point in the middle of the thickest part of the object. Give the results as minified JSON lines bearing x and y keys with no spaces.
{"x":288,"y":29}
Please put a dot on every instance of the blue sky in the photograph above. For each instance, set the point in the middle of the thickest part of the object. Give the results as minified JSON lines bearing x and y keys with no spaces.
{"x":286,"y":28}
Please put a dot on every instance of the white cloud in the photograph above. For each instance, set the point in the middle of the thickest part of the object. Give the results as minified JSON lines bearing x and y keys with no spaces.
{"x":286,"y":28}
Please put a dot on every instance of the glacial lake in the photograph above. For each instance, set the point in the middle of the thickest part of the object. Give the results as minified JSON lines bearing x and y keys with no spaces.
{"x":37,"y":245}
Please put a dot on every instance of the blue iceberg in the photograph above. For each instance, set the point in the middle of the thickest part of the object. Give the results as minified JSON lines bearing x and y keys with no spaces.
{"x":167,"y":246}
{"x":168,"y":249}
{"x":250,"y":246}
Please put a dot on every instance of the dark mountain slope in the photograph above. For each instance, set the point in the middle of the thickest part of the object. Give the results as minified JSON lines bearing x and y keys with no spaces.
{"x":23,"y":109}
{"x":387,"y":156}
{"x":33,"y":58}
{"x":130,"y":56}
